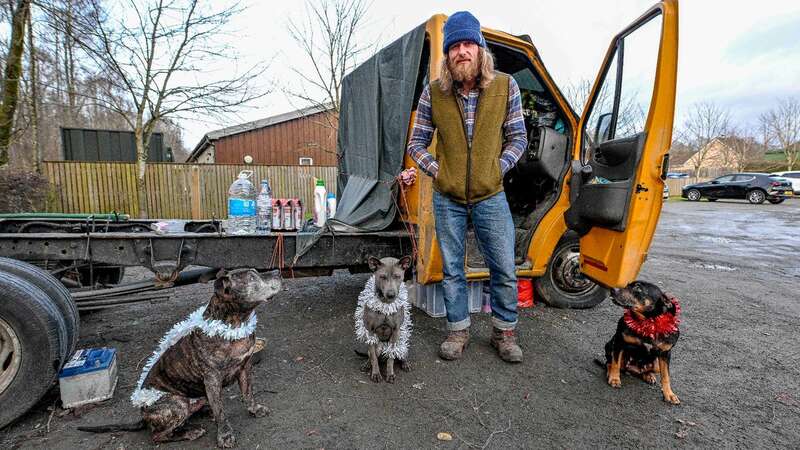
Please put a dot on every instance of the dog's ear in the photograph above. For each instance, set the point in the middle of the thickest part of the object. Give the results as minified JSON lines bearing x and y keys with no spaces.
{"x":374,"y":263}
{"x":405,"y":262}
{"x":222,"y":286}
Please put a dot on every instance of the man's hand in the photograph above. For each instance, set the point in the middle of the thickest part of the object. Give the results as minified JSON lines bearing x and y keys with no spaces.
{"x":408,"y":176}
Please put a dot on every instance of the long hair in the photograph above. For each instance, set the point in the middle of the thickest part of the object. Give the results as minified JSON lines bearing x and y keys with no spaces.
{"x":485,"y":72}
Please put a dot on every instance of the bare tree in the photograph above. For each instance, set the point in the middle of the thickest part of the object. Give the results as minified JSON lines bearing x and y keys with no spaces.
{"x":33,"y":99}
{"x":13,"y":71}
{"x":150,"y":52}
{"x":704,"y":122}
{"x":783,"y":122}
{"x":741,"y":149}
{"x":327,"y":39}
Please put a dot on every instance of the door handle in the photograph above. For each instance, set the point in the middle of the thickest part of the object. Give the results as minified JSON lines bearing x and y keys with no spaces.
{"x":640,"y":188}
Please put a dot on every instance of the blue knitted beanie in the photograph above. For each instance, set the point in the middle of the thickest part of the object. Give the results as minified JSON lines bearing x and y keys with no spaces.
{"x":462,"y":26}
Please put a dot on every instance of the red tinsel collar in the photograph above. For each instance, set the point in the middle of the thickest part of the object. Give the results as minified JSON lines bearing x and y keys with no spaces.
{"x":661,"y":325}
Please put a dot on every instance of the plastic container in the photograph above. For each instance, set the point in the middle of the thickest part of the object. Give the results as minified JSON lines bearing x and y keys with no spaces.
{"x":277,"y":209}
{"x":264,"y":209}
{"x":90,"y":376}
{"x":330,"y":205}
{"x":287,"y":214}
{"x":297,"y":212}
{"x":242,"y":205}
{"x":524,"y":293}
{"x":430,"y":297}
{"x":320,"y":197}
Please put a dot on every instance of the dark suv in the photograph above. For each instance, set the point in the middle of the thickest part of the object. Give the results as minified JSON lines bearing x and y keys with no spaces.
{"x":754,"y":187}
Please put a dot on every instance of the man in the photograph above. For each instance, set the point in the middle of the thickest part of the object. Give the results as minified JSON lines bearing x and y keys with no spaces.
{"x":476,"y":114}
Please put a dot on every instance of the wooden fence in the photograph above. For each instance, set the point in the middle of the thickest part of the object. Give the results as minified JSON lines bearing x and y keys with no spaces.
{"x":174,"y":191}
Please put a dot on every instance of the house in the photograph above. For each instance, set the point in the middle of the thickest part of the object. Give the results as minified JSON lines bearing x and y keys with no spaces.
{"x":297,"y":138}
{"x":715,"y":157}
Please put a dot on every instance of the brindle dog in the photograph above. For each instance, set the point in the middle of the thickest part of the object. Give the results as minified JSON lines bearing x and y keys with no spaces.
{"x":193,"y":372}
{"x":645,"y":336}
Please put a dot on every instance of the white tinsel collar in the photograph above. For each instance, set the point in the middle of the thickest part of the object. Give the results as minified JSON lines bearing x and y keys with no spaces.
{"x":211,"y":327}
{"x":368,"y":299}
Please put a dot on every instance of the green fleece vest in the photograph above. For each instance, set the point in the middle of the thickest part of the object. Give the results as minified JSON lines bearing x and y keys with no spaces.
{"x":470,"y":174}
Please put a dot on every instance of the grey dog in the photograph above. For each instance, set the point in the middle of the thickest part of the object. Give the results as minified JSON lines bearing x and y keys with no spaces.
{"x":385,"y":317}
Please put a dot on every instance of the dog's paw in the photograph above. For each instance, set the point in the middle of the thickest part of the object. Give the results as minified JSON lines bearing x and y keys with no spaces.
{"x":376,"y":377}
{"x":614,"y":382}
{"x":226,"y":439}
{"x":390,"y":378}
{"x":670,"y":397}
{"x":405,"y":366}
{"x":258,"y":410}
{"x":649,"y":378}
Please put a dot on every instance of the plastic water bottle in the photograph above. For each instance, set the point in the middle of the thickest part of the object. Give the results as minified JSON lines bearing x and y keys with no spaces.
{"x":242,"y":205}
{"x":319,"y":203}
{"x":330,"y":205}
{"x":264,"y":209}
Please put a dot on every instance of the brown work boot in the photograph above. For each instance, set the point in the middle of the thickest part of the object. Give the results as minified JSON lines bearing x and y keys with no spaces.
{"x":505,"y":343}
{"x":453,"y":347}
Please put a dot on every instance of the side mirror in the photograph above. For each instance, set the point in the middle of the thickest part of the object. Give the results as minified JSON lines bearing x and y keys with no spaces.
{"x":603,"y":131}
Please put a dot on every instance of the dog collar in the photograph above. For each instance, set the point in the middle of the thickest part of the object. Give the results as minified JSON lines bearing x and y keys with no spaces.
{"x":368,"y":300}
{"x":210,"y":327}
{"x":654,"y":327}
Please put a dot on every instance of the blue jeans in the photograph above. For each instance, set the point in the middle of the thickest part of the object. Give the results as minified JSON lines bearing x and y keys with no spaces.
{"x":494,"y":230}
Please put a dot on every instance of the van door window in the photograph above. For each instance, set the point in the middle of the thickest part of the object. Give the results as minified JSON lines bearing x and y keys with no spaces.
{"x":622,"y":104}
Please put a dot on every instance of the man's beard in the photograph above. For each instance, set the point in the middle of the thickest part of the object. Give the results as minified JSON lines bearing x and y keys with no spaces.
{"x":463,"y":72}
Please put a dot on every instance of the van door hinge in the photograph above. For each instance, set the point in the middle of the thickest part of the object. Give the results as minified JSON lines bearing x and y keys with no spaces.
{"x":640,"y":188}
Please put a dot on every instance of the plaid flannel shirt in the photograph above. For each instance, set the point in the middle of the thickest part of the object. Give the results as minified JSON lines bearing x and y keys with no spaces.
{"x":515,"y":139}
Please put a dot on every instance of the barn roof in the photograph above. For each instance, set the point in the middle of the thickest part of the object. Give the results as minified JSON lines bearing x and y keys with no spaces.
{"x":212,"y":136}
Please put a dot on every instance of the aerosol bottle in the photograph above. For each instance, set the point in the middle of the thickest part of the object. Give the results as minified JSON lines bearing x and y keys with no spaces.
{"x":297,"y":212}
{"x":286,"y":213}
{"x":277,"y":223}
{"x":330,"y":205}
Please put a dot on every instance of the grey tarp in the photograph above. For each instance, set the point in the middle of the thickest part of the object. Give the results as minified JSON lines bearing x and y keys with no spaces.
{"x":377,"y":99}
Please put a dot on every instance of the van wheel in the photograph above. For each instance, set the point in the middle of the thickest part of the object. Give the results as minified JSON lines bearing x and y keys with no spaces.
{"x":563,"y":285}
{"x":30,"y":353}
{"x":58,"y":294}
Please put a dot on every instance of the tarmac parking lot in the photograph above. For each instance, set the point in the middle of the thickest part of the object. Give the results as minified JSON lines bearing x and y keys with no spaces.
{"x":734,"y":266}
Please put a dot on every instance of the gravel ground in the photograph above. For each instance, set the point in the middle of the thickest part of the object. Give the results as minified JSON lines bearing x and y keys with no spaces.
{"x":733,"y":265}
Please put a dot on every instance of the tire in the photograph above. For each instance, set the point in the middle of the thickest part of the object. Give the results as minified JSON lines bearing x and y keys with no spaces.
{"x":58,"y":294}
{"x":693,"y":195}
{"x":562,"y":285}
{"x":30,"y":325}
{"x":756,"y":196}
{"x":776,"y":201}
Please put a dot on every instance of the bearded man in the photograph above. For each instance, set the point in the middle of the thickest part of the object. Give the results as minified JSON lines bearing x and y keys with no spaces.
{"x":476,"y":114}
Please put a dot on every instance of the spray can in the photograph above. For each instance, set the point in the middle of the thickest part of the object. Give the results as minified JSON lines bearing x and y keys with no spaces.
{"x":277,"y":220}
{"x":297,"y":212}
{"x":288,"y":217}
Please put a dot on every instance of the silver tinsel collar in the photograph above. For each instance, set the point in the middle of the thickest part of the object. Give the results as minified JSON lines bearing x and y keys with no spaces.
{"x":211,"y":327}
{"x":368,"y":299}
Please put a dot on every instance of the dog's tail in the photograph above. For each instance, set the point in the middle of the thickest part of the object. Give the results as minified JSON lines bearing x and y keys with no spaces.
{"x":135,"y":426}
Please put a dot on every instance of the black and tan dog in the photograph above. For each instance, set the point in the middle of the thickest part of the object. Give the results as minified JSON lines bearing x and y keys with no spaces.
{"x":200,"y":356}
{"x":646,"y":334}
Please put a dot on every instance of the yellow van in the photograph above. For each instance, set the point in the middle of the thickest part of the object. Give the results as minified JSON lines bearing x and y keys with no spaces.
{"x":586,"y":195}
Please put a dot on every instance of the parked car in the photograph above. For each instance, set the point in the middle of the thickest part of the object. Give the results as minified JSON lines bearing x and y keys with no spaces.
{"x":754,"y":187}
{"x":666,"y":192}
{"x":794,"y":177}
{"x":677,"y":175}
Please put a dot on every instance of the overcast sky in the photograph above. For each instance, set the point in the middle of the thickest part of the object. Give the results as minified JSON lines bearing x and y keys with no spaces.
{"x":741,"y":57}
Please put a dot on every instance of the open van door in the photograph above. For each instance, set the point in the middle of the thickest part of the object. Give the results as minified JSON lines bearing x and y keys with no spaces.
{"x":623,"y":138}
